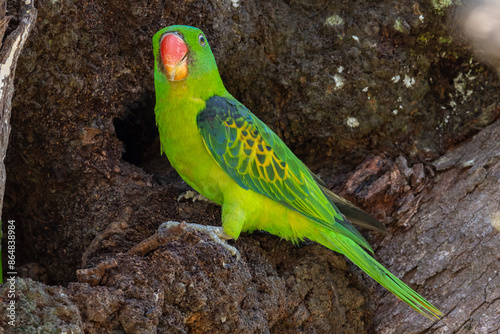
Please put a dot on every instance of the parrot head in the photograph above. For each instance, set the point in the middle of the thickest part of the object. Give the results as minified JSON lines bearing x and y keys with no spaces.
{"x":183,"y":56}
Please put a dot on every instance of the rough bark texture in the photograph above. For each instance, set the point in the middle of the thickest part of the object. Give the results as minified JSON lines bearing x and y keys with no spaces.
{"x":190,"y":285}
{"x":337,"y":81}
{"x":449,"y":247}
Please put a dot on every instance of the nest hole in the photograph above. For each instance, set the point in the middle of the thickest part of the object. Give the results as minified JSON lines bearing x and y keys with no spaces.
{"x":137,"y":130}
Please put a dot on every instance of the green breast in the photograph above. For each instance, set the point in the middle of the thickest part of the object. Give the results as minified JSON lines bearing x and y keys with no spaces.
{"x":182,"y":143}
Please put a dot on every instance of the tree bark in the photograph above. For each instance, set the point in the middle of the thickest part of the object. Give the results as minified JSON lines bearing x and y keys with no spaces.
{"x":368,"y":95}
{"x":449,"y":248}
{"x":10,"y":50}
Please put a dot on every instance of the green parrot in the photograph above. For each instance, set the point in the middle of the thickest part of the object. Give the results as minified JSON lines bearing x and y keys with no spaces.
{"x":231,"y":157}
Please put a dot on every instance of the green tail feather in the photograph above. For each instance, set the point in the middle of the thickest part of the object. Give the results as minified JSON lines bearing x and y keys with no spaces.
{"x":370,"y":266}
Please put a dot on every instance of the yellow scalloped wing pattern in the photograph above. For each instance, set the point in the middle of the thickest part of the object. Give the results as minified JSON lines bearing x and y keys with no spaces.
{"x":252,"y":149}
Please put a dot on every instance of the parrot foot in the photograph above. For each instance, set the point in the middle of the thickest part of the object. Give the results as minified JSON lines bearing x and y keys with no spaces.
{"x":191,"y":194}
{"x":216,"y":233}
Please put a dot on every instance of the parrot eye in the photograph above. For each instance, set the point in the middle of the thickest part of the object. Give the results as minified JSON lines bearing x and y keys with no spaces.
{"x":202,"y":40}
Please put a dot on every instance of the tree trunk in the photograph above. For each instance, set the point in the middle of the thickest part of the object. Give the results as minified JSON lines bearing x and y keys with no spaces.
{"x":10,"y":49}
{"x":448,"y":249}
{"x":386,"y":102}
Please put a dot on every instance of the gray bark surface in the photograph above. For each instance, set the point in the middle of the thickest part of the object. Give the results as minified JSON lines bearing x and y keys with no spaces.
{"x":368,"y":95}
{"x":449,"y":247}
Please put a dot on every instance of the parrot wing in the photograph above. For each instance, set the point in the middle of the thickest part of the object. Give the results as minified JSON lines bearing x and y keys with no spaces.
{"x":257,"y":159}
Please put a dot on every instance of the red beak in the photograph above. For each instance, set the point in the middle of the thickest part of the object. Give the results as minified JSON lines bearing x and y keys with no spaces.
{"x":173,"y":52}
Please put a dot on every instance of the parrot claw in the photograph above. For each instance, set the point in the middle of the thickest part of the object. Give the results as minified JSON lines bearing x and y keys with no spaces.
{"x":216,"y":233}
{"x":191,"y":194}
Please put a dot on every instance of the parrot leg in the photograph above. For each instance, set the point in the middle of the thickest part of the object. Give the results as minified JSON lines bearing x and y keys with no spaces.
{"x":194,"y":195}
{"x":216,"y":233}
